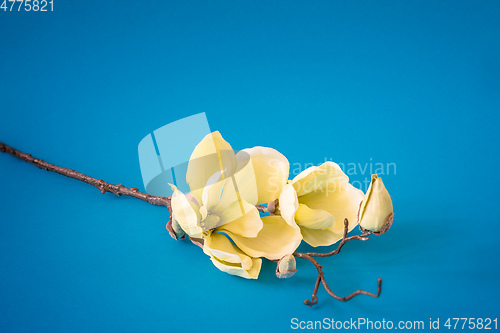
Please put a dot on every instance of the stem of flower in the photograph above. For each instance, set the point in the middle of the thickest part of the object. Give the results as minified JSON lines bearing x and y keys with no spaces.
{"x":98,"y":183}
{"x":321,"y":276}
{"x":166,"y":201}
{"x":345,"y":239}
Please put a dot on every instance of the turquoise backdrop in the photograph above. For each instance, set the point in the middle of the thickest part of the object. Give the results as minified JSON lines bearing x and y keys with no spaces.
{"x":414,"y":84}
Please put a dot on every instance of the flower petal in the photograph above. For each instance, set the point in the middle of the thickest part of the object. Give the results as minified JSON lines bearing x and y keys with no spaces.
{"x":314,"y":178}
{"x":220,"y":194}
{"x":228,"y":258}
{"x":276,"y":239}
{"x":313,"y":218}
{"x":310,"y":221}
{"x":340,"y":199}
{"x":320,"y":237}
{"x":185,"y":213}
{"x":213,"y":154}
{"x":288,"y":204}
{"x":223,"y":205}
{"x":247,"y":225}
{"x":262,"y":173}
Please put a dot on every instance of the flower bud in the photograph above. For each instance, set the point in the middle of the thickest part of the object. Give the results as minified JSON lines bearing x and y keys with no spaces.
{"x":375,"y":213}
{"x":286,"y":267}
{"x":175,"y":229}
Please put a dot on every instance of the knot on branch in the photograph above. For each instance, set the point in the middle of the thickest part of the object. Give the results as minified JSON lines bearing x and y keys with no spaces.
{"x":101,"y":186}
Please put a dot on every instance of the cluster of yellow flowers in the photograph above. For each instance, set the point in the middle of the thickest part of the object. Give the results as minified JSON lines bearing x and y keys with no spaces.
{"x":226,"y":186}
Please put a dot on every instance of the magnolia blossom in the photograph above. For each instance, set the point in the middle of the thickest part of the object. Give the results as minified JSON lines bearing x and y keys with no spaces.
{"x":220,"y":208}
{"x":225,"y":187}
{"x":375,"y":213}
{"x":317,"y":201}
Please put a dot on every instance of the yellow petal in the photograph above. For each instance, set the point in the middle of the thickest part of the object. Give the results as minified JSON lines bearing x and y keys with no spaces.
{"x":185,"y":213}
{"x":228,"y":258}
{"x":315,"y":178}
{"x":320,"y":237}
{"x":275,"y":240}
{"x":212,"y":191}
{"x":313,"y":218}
{"x":252,"y":273}
{"x":340,"y":199}
{"x":247,"y":225}
{"x":219,"y":246}
{"x":262,"y":173}
{"x":288,"y":204}
{"x":300,"y":215}
{"x":220,"y":195}
{"x":376,"y":207}
{"x":223,"y":205}
{"x":213,"y":154}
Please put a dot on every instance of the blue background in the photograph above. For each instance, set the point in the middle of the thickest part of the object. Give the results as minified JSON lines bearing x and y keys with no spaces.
{"x":414,"y":83}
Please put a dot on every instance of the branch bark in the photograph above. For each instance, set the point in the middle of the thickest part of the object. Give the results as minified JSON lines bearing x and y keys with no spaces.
{"x":121,"y":190}
{"x":100,"y":184}
{"x":321,"y":276}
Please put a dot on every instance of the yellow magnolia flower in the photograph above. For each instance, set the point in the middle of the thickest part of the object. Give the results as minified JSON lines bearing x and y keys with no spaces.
{"x":318,"y":200}
{"x":220,"y":207}
{"x":376,"y":212}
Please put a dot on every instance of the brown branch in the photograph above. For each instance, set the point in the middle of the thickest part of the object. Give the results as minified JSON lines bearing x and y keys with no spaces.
{"x":261,"y":208}
{"x":321,"y":276}
{"x":314,"y":298}
{"x":166,"y":201}
{"x":98,"y":183}
{"x":345,"y":239}
{"x":101,"y":184}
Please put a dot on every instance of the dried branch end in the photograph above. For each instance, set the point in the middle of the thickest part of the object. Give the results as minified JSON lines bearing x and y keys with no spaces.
{"x":312,"y":302}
